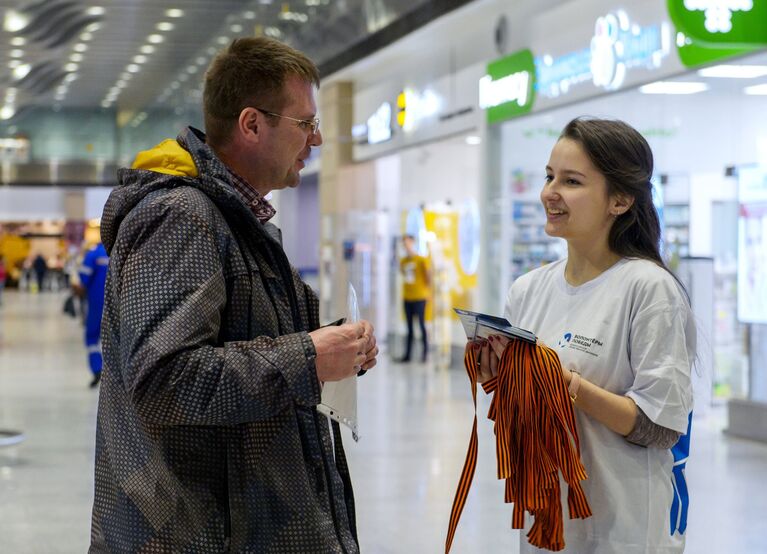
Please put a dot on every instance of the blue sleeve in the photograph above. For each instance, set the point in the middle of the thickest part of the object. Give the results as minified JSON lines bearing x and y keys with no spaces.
{"x":88,"y":268}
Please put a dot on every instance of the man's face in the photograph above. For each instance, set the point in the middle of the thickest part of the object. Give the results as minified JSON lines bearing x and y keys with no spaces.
{"x":288,"y":143}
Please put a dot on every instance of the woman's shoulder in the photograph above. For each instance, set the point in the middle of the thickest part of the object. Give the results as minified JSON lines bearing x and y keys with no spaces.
{"x":652,"y":283}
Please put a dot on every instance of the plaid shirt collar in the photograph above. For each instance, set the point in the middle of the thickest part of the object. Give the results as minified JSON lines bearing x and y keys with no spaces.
{"x":259,"y":205}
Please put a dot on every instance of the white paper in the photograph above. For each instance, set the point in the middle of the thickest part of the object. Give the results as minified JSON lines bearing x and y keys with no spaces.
{"x":339,"y":398}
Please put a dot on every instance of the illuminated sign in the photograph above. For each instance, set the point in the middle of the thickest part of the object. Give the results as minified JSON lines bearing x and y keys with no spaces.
{"x":379,"y":124}
{"x":722,"y":23}
{"x":507,"y":89}
{"x":618,"y":45}
{"x":413,"y":107}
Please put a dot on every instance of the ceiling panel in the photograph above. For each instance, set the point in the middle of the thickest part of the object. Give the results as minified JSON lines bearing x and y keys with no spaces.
{"x":74,"y":53}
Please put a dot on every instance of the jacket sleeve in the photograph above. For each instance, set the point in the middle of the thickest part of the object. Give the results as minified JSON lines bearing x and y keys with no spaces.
{"x":170,"y":296}
{"x":87,"y":268}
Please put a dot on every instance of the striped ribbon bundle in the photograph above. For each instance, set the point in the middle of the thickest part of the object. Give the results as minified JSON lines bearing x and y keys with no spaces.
{"x":536,"y":439}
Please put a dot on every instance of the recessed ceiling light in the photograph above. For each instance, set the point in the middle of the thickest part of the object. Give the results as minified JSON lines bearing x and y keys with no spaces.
{"x":473,"y":140}
{"x":174,"y":12}
{"x":183,"y":77}
{"x":222,"y":40}
{"x":211,"y":51}
{"x":95,"y":10}
{"x":202,"y":60}
{"x":105,"y":104}
{"x":165,"y":26}
{"x":132,"y":68}
{"x":147,"y":49}
{"x":673,"y":87}
{"x":71,"y":67}
{"x":21,"y":71}
{"x":93,"y":27}
{"x":7,"y":112}
{"x":17,"y":53}
{"x":76,"y":57}
{"x":174,"y":85}
{"x":734,"y":71}
{"x":15,"y":21}
{"x":192,"y":69}
{"x":70,"y":77}
{"x":236,"y":28}
{"x":125,"y":76}
{"x":14,"y":64}
{"x":155,"y":39}
{"x":250,"y":14}
{"x":18,"y":41}
{"x":756,"y":89}
{"x":80,"y":47}
{"x":86,"y":36}
{"x":122,"y":83}
{"x":139,"y":58}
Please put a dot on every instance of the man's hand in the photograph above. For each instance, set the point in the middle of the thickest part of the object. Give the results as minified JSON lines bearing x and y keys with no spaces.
{"x":343,"y":350}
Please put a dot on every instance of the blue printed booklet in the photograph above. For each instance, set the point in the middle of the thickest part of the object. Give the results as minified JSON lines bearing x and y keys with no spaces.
{"x":477,"y":325}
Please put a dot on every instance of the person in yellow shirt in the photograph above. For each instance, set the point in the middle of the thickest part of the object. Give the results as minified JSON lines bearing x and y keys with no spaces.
{"x":416,"y":274}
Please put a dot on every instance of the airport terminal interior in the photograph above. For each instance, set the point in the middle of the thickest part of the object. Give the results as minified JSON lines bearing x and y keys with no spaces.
{"x":437,"y":120}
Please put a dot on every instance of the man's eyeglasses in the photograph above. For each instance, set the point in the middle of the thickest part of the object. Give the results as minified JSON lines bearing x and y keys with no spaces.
{"x":312,"y":125}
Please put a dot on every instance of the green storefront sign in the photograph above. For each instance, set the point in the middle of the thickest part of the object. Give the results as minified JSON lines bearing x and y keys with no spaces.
{"x":728,"y":24}
{"x":508,"y":89}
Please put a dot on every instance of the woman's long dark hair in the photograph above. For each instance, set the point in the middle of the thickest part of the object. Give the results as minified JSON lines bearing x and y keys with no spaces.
{"x":624,"y":157}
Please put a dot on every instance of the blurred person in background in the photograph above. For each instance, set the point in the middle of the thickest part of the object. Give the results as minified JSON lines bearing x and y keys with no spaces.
{"x":208,"y":437}
{"x":3,"y":276}
{"x":416,"y":286}
{"x":40,"y":267}
{"x":93,"y":276}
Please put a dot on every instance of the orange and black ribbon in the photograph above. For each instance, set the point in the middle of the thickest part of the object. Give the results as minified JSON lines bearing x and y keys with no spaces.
{"x":536,"y":439}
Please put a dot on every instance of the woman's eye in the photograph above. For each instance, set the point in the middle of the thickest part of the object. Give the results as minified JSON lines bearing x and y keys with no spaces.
{"x":548,"y":178}
{"x":573,"y":182}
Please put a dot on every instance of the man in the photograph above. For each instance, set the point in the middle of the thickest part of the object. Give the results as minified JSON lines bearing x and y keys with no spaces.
{"x":93,"y":275}
{"x":416,"y":281}
{"x":208,"y":436}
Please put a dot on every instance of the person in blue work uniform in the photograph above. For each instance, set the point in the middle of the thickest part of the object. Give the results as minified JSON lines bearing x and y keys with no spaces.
{"x":93,"y":276}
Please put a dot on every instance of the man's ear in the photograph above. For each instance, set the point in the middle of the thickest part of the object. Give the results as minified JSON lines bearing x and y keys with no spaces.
{"x":248,"y":124}
{"x":620,"y":204}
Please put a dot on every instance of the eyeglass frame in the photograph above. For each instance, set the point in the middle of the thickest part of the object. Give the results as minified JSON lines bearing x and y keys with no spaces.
{"x":314,"y":123}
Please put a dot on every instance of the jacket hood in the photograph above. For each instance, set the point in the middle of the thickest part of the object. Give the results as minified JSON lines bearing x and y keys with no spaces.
{"x":182,"y":162}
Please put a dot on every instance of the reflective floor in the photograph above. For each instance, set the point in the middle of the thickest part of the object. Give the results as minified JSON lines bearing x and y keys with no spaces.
{"x":415,"y":422}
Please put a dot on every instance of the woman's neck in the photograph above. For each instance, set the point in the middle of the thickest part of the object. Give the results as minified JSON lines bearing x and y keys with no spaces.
{"x":587,"y":263}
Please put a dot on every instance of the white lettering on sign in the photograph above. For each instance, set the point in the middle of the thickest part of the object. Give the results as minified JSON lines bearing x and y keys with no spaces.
{"x":719,"y":12}
{"x":512,"y":88}
{"x":379,"y":124}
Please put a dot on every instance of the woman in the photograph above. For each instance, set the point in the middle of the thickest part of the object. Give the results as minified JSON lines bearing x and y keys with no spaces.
{"x":622,"y":327}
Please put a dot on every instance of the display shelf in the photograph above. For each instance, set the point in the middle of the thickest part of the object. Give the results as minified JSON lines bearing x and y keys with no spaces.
{"x":676,"y":229}
{"x":531,"y":246}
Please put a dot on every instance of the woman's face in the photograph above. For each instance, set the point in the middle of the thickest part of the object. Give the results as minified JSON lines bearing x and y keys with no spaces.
{"x":575,"y":196}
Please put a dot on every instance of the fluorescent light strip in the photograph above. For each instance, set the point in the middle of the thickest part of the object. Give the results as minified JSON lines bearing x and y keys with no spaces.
{"x":756,"y":89}
{"x":673,"y":87}
{"x":734,"y":71}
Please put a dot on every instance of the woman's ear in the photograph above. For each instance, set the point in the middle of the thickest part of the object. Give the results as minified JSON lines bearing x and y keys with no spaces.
{"x":620,"y":204}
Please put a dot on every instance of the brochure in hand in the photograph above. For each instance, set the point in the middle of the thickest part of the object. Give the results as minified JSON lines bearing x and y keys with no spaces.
{"x":477,"y":325}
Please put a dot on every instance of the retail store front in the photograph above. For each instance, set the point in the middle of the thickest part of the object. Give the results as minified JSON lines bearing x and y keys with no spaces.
{"x":705,"y":126}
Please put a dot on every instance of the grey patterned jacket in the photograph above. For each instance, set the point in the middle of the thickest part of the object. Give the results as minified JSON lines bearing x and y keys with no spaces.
{"x":208,"y":438}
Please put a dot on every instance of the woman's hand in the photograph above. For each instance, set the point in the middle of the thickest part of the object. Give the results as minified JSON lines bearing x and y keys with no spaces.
{"x":488,"y":354}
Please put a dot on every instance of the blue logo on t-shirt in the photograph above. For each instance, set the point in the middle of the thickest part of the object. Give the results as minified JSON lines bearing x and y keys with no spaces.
{"x":565,"y":340}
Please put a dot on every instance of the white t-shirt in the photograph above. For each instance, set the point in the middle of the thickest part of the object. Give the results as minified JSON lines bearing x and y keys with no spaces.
{"x":631,"y":332}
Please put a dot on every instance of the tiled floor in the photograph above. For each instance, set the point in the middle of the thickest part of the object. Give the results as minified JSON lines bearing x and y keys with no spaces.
{"x":415,"y":423}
